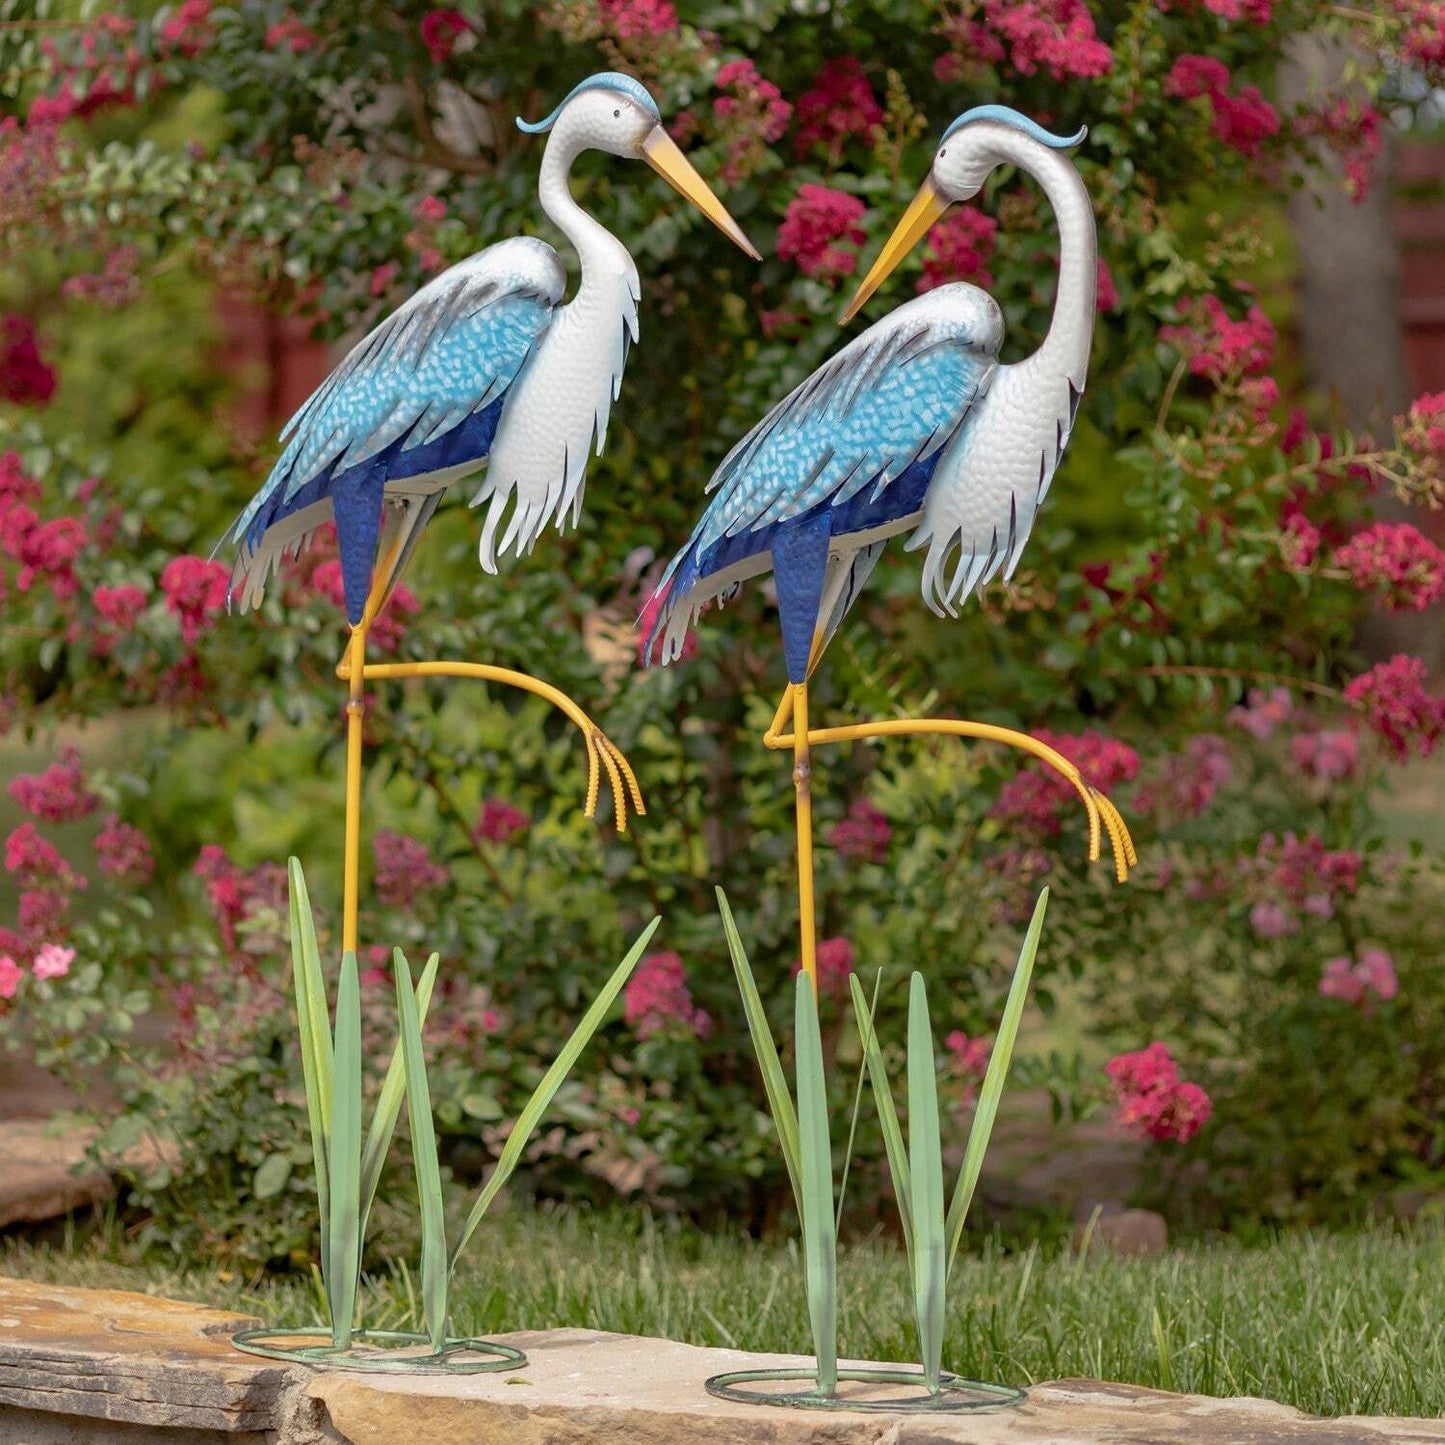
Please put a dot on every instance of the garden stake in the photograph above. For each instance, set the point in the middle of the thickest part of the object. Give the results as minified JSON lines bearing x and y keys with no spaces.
{"x":915,"y":428}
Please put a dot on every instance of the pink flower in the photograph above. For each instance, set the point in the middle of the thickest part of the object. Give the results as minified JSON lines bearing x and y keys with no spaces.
{"x":195,"y":592}
{"x":187,"y":29}
{"x":863,"y":834}
{"x":834,"y":958}
{"x":290,"y":33}
{"x":840,"y":105}
{"x":1262,"y":711}
{"x":123,"y":852}
{"x":1350,"y":982}
{"x":1053,"y":35}
{"x":816,"y":218}
{"x":636,"y":19}
{"x":499,"y":822}
{"x":10,"y":975}
{"x":1256,"y":10}
{"x":1218,"y":348}
{"x":59,"y":794}
{"x":440,"y":31}
{"x":404,"y":869}
{"x":1151,"y":1099}
{"x":35,"y":858}
{"x":1397,"y":561}
{"x":53,"y":961}
{"x":1329,"y":755}
{"x":42,"y":910}
{"x":430,"y":209}
{"x":1190,"y":779}
{"x":1106,"y":294}
{"x":958,"y":249}
{"x":1423,"y":36}
{"x":1397,"y":707}
{"x":1354,"y":130}
{"x":752,"y":114}
{"x":1270,"y":920}
{"x":970,"y":1060}
{"x":1300,"y":868}
{"x":114,"y":285}
{"x":1036,"y":799}
{"x":119,"y":606}
{"x":24,"y":377}
{"x":647,"y":620}
{"x":1423,"y":426}
{"x":382,"y":277}
{"x":386,"y":629}
{"x":46,"y":551}
{"x":1243,"y":121}
{"x":657,"y":997}
{"x":1299,"y":541}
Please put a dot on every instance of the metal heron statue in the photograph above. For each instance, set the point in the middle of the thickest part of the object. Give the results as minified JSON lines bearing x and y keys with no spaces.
{"x":484,"y":365}
{"x":913,"y":427}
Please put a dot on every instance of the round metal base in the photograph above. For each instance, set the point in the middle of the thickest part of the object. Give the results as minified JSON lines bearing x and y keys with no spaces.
{"x":389,"y":1352}
{"x":954,"y":1393}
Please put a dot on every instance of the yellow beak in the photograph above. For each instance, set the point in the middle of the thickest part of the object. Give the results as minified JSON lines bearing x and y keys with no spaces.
{"x":925,"y":208}
{"x":661,"y":153}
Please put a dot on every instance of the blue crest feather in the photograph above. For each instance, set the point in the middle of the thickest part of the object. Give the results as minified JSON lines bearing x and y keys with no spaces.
{"x":603,"y":80}
{"x":1019,"y":121}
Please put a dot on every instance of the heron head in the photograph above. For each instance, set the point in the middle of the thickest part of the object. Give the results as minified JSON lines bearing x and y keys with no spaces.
{"x":615,"y":113}
{"x":978,"y":141}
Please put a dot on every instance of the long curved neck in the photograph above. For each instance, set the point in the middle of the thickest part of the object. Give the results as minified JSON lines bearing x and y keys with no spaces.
{"x":604,"y":259}
{"x":1071,"y":329}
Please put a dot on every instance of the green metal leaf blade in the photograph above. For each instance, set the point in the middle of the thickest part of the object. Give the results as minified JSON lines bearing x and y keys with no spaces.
{"x":345,"y":1161}
{"x":390,"y":1100}
{"x":894,"y":1147}
{"x":925,"y":1166}
{"x":313,"y":1031}
{"x":775,"y":1081}
{"x":820,"y":1243}
{"x":435,"y":1269}
{"x":993,"y":1080}
{"x":552,"y":1080}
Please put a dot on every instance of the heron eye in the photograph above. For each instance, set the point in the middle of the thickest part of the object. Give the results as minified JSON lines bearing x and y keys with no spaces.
{"x":943,"y":153}
{"x":616,"y":113}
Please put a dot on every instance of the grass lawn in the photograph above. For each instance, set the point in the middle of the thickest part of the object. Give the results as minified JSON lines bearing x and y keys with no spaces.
{"x":1347,"y":1324}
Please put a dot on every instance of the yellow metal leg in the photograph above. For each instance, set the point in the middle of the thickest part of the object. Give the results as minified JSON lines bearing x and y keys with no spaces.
{"x":1104,"y":817}
{"x":803,"y":806}
{"x":355,"y":729}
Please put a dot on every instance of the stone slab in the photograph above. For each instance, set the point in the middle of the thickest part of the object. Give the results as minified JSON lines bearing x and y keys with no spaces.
{"x":584,"y":1387}
{"x":39,"y":1174}
{"x":110,"y":1368}
{"x":129,"y":1359}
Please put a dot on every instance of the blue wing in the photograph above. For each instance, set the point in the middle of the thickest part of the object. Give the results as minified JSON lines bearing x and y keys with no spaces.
{"x":840,"y":463}
{"x":413,"y":406}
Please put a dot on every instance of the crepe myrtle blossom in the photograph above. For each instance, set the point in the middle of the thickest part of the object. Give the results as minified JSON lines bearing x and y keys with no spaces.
{"x":404,"y":868}
{"x":1351,"y":982}
{"x":834,"y":958}
{"x":958,"y":249}
{"x":10,"y":975}
{"x":195,"y":591}
{"x":1151,"y":1098}
{"x":969,"y":1058}
{"x":1056,"y":36}
{"x":1397,"y":562}
{"x":440,"y":31}
{"x":863,"y":834}
{"x":59,"y":794}
{"x":657,"y":998}
{"x":1397,"y":708}
{"x":1243,"y":120}
{"x":838,"y":106}
{"x":1216,"y":346}
{"x":636,"y":19}
{"x":817,"y":219}
{"x":1331,"y":755}
{"x":1037,"y":800}
{"x":499,"y":822}
{"x":1262,"y":711}
{"x":123,"y":853}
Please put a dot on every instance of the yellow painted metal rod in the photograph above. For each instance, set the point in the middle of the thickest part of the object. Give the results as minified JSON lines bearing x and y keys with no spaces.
{"x":355,"y":665}
{"x":803,"y":807}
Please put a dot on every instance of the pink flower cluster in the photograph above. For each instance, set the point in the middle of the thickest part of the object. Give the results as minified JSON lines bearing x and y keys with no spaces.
{"x":46,"y":881}
{"x":59,"y":794}
{"x":116,"y":610}
{"x":1053,"y":35}
{"x":1301,"y":877}
{"x":839,"y":105}
{"x":404,"y":868}
{"x":195,"y":591}
{"x":1243,"y":120}
{"x":440,"y":31}
{"x":1397,"y":708}
{"x":1189,"y":780}
{"x":1037,"y":799}
{"x":51,"y":961}
{"x":1152,"y":1100}
{"x":114,"y":285}
{"x":43,"y":551}
{"x":237,"y":895}
{"x":1423,"y":426}
{"x":499,"y":822}
{"x":187,"y":29}
{"x":1422,"y":36}
{"x":1330,"y":755}
{"x":389,"y":625}
{"x":1106,"y":293}
{"x":1263,"y":711}
{"x":288,"y":33}
{"x":834,"y":958}
{"x":969,"y":1058}
{"x":863,"y":834}
{"x":752,"y":114}
{"x":817,"y":218}
{"x":657,"y":998}
{"x":1374,"y":973}
{"x":1398,"y":562}
{"x":636,"y":19}
{"x":1354,"y":131}
{"x":958,"y":249}
{"x":1299,"y":541}
{"x":24,"y":376}
{"x":123,"y":853}
{"x":1219,"y":348}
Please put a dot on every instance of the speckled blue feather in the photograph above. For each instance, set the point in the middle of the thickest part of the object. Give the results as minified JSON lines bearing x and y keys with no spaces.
{"x":603,"y":80}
